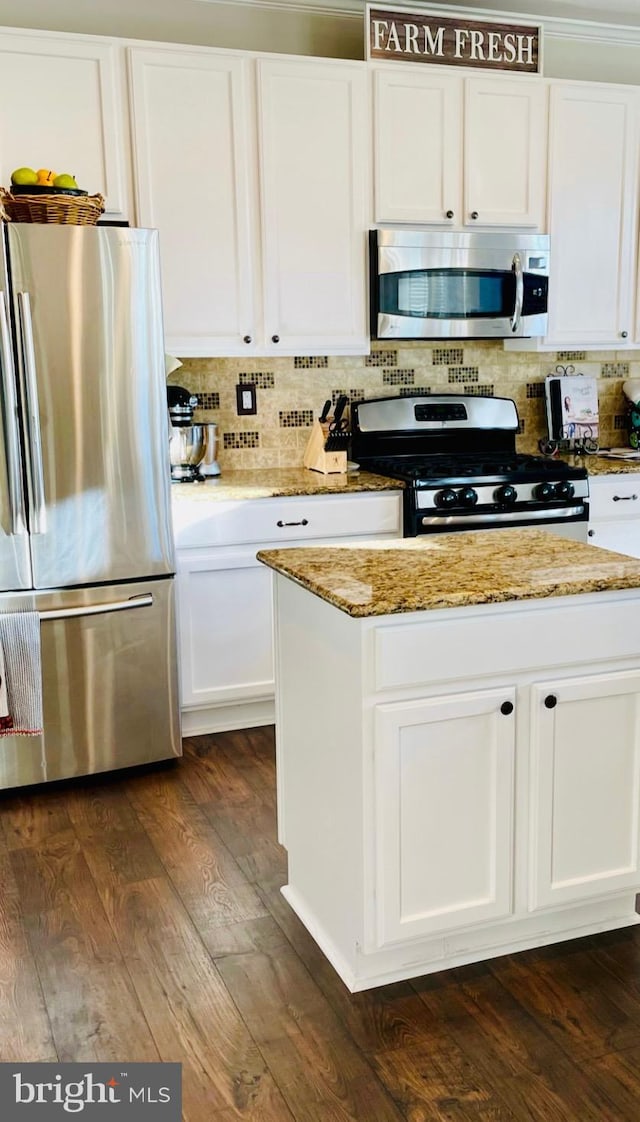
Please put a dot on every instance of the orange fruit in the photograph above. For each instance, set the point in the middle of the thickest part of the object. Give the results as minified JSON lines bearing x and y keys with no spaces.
{"x":45,"y":177}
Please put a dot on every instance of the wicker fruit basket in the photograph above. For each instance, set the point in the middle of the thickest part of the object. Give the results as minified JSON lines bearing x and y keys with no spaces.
{"x":58,"y":206}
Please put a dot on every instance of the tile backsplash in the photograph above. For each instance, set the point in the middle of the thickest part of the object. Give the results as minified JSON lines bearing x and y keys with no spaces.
{"x":291,"y":391}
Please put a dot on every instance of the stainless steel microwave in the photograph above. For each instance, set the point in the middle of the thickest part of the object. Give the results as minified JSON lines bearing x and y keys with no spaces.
{"x":441,"y":285}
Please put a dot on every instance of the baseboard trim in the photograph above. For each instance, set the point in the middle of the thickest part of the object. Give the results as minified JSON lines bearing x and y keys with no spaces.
{"x":428,"y":956}
{"x":228,"y":718}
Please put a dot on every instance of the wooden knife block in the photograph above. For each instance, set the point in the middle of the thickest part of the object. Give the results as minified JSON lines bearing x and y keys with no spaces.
{"x":315,"y":457}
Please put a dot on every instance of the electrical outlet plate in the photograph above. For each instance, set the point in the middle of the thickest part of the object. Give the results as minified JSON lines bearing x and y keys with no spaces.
{"x":246,"y":401}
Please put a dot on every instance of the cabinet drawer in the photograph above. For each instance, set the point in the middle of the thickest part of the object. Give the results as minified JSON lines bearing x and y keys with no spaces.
{"x":614,"y":496}
{"x":458,"y":644}
{"x":301,"y":518}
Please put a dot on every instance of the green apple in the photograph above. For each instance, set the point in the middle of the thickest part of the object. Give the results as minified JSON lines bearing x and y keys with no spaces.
{"x":24,"y":176}
{"x":65,"y":181}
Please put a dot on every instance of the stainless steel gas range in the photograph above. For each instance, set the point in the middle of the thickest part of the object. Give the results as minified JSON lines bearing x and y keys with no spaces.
{"x":457,"y":456}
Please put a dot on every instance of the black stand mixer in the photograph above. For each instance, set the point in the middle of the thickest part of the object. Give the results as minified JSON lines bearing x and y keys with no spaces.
{"x":187,"y":442}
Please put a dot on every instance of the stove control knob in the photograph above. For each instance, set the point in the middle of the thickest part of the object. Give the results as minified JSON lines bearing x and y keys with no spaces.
{"x":565,"y":490}
{"x":445,"y":499}
{"x":505,"y":495}
{"x":544,"y":491}
{"x":468,"y":496}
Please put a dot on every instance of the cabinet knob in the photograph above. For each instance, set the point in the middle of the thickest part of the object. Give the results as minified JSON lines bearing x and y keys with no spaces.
{"x":275,"y":338}
{"x":591,"y":533}
{"x":624,"y":334}
{"x":506,"y":708}
{"x":449,"y":214}
{"x":550,"y":701}
{"x":474,"y":214}
{"x":247,"y":339}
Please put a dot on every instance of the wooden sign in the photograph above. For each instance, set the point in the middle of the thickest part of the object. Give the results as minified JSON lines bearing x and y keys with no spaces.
{"x":426,"y":36}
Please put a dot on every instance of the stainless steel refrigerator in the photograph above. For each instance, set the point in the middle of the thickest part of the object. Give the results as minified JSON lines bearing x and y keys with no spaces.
{"x":85,"y":526}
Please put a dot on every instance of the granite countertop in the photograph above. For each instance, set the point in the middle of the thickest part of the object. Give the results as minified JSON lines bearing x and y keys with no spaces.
{"x":272,"y":483}
{"x":452,"y":570}
{"x":602,"y":465}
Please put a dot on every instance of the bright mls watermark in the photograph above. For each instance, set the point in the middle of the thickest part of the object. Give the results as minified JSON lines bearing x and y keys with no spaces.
{"x":118,"y":1092}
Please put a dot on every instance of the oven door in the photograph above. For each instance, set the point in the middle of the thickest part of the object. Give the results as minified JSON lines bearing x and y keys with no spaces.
{"x":569,"y":520}
{"x":458,"y":286}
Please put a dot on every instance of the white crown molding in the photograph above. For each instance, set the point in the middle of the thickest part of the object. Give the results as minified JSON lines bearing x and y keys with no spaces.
{"x":555,"y":27}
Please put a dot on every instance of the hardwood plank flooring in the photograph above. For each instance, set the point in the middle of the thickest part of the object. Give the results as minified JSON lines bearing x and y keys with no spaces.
{"x":141,"y":918}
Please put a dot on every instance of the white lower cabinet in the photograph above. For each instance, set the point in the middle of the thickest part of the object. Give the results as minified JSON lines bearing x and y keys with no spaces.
{"x":225,"y":598}
{"x":482,"y":798}
{"x":446,"y":802}
{"x":226,"y":628}
{"x":614,"y":513}
{"x":444,"y":772}
{"x":585,"y":792}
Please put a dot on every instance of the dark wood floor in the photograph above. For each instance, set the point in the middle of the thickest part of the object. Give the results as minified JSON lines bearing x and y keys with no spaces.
{"x":141,"y":920}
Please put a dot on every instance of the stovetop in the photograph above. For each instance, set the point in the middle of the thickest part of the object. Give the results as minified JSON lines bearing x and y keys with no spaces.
{"x":430,"y":470}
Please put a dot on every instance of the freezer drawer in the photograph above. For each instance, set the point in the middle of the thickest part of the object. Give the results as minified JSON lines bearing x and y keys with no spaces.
{"x":110,"y":694}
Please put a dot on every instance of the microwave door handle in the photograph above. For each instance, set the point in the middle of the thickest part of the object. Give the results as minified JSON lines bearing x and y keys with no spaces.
{"x":12,"y":445}
{"x":516,"y":265}
{"x":36,"y":469}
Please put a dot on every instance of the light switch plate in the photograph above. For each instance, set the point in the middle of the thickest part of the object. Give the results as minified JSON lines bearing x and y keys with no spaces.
{"x":246,"y":399}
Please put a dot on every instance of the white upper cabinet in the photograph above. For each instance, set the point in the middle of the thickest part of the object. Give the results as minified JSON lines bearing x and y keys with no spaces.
{"x":464,"y":152}
{"x":62,"y":108}
{"x":418,"y":146}
{"x":313,"y":126}
{"x":505,"y":136}
{"x":193,"y":181}
{"x":593,"y":164}
{"x":278,"y":269}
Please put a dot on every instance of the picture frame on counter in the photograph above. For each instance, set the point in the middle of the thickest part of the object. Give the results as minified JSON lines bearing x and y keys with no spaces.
{"x":432,"y":36}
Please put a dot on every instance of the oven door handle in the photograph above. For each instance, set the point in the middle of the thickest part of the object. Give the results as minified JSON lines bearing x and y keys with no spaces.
{"x":516,"y":265}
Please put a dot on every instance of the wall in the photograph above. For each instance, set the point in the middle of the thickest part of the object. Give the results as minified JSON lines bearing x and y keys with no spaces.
{"x":257,"y":27}
{"x":291,"y":391}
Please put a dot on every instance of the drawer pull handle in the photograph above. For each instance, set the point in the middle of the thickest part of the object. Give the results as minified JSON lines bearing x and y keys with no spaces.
{"x":625,"y":498}
{"x":506,"y":708}
{"x":304,"y":522}
{"x":550,"y":701}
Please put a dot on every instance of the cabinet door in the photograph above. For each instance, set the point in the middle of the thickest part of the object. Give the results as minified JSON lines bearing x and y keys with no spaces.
{"x":585,"y":788}
{"x":225,"y":628}
{"x":505,"y":134}
{"x":444,"y":819}
{"x":193,"y":182}
{"x":622,"y":535}
{"x":62,"y":109}
{"x":417,"y":146}
{"x":592,"y":215}
{"x":314,"y":143}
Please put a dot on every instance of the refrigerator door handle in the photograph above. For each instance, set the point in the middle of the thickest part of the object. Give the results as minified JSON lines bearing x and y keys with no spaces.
{"x":17,"y":508}
{"x":144,"y":601}
{"x":38,"y":522}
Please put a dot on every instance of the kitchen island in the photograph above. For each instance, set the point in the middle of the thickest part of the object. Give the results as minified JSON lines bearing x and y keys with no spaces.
{"x":458,"y":746}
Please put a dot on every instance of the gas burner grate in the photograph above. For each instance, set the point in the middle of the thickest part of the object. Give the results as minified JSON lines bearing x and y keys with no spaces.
{"x":442,"y":467}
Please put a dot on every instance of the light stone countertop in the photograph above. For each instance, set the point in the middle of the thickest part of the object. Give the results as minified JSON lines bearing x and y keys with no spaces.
{"x":272,"y":483}
{"x":602,"y":465}
{"x":452,"y":570}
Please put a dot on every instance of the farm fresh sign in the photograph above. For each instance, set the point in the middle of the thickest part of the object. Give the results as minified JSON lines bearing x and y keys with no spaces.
{"x":426,"y":36}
